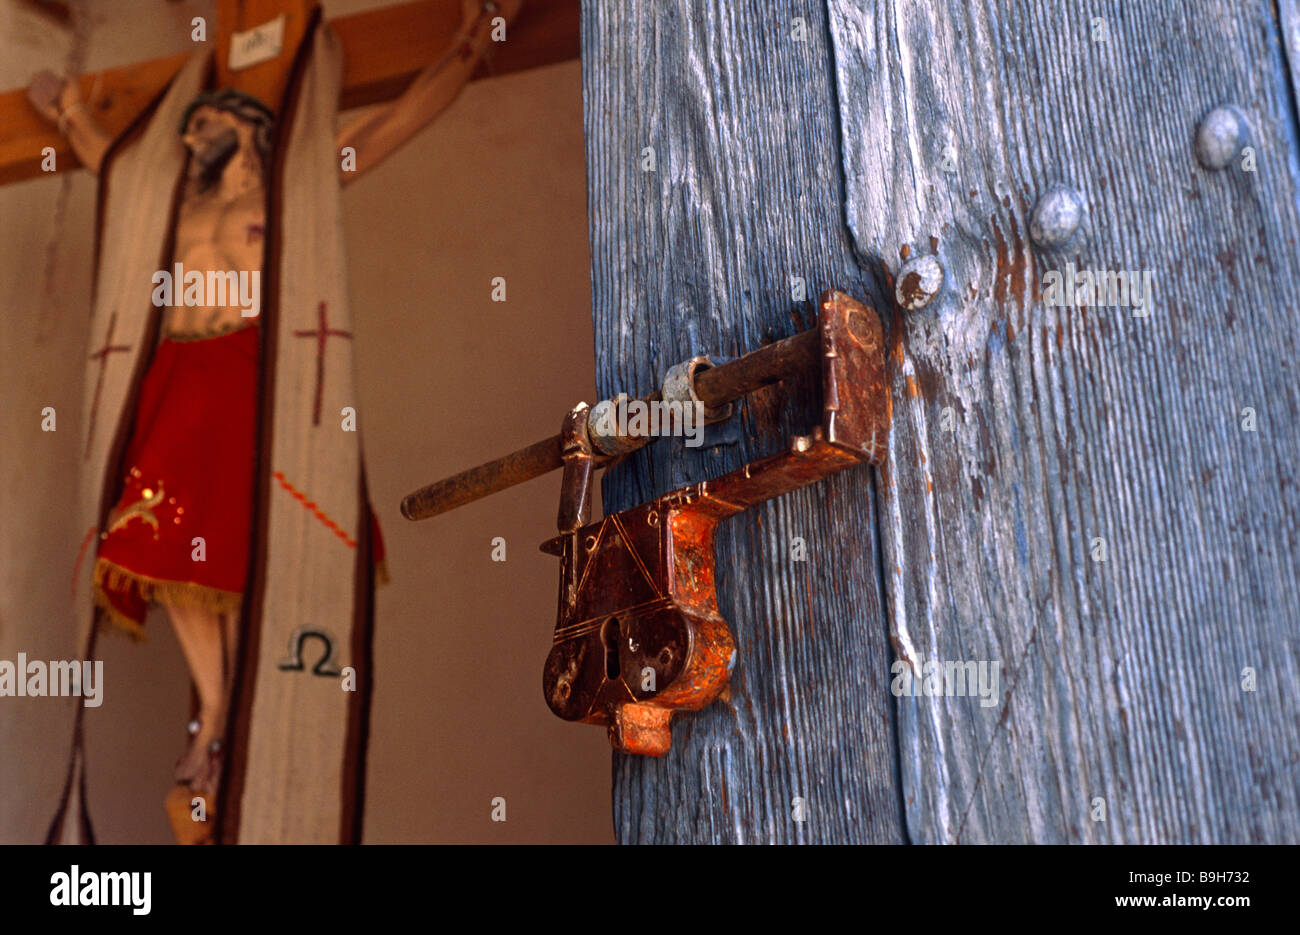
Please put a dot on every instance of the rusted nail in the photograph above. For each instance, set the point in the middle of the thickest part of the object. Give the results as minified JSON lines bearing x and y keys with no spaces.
{"x":1056,"y":216}
{"x":1220,"y":137}
{"x":918,"y":282}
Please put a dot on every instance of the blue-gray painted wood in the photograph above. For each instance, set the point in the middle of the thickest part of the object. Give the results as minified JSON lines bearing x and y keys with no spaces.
{"x":1027,"y":438}
{"x":1121,"y":680}
{"x":698,"y":256}
{"x":1288,"y":38}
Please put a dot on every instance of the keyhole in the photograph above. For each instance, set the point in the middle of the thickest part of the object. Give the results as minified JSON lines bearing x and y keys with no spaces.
{"x":609,"y":635}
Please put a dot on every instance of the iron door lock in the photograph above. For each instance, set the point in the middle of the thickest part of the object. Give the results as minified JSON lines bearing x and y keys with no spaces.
{"x":638,"y":634}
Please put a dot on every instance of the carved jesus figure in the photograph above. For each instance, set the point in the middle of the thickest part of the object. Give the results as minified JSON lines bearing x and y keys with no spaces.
{"x":189,"y":463}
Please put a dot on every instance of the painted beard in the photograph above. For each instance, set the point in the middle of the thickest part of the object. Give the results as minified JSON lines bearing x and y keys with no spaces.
{"x":215,"y":157}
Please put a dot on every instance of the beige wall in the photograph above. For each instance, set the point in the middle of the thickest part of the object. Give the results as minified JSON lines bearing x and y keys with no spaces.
{"x":447,"y":378}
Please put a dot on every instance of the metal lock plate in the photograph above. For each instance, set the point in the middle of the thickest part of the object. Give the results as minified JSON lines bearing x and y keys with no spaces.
{"x":639,"y":635}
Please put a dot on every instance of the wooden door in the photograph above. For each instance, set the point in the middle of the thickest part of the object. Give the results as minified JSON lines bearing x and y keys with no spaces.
{"x":1103,"y":503}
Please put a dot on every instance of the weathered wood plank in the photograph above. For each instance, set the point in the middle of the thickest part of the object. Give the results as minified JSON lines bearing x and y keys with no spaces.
{"x":1122,"y":679}
{"x":697,"y":256}
{"x":1288,"y":37}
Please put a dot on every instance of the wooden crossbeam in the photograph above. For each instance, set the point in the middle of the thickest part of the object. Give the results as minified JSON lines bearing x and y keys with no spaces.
{"x":384,"y":49}
{"x":267,"y":80}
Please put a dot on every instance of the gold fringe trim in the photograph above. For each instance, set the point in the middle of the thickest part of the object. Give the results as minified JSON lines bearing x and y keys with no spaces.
{"x":159,"y":591}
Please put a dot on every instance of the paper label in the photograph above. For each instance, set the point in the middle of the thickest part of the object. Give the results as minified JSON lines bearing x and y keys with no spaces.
{"x":257,"y":45}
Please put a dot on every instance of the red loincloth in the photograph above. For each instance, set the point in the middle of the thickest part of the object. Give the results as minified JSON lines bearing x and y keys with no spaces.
{"x":190,"y":465}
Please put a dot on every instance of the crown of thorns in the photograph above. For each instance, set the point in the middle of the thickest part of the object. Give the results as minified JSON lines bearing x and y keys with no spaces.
{"x":242,"y":105}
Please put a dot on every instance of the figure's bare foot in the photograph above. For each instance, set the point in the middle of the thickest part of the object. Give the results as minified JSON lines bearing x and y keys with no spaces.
{"x":195,"y":758}
{"x":183,"y":816}
{"x":203,"y":635}
{"x":205,"y":783}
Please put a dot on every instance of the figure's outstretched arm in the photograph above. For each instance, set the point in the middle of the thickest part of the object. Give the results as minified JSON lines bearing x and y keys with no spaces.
{"x":382,"y":131}
{"x":60,"y":103}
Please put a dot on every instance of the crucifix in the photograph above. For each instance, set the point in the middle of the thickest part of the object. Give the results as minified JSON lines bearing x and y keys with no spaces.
{"x":186,"y":509}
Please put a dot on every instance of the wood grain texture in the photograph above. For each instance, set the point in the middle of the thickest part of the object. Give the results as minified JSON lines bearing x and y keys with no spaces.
{"x":697,"y":256}
{"x":1120,"y":680}
{"x":1288,"y":37}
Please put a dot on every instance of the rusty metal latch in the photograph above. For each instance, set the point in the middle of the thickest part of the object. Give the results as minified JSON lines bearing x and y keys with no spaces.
{"x":639,"y":635}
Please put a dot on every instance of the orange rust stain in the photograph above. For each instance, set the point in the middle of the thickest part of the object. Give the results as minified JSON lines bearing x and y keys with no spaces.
{"x":999,"y":277}
{"x":889,"y":420}
{"x":1060,"y":336}
{"x":929,"y":482}
{"x":1020,"y":261}
{"x":1011,"y":262}
{"x":904,"y":251}
{"x":934,"y":244}
{"x":912,"y":390}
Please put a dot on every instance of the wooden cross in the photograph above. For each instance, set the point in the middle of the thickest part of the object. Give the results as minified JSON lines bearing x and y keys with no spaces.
{"x":384,"y":49}
{"x":102,"y":356}
{"x":322,"y":334}
{"x":416,"y":44}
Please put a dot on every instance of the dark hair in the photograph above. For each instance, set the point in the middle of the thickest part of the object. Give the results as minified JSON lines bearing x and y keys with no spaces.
{"x":244,"y":106}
